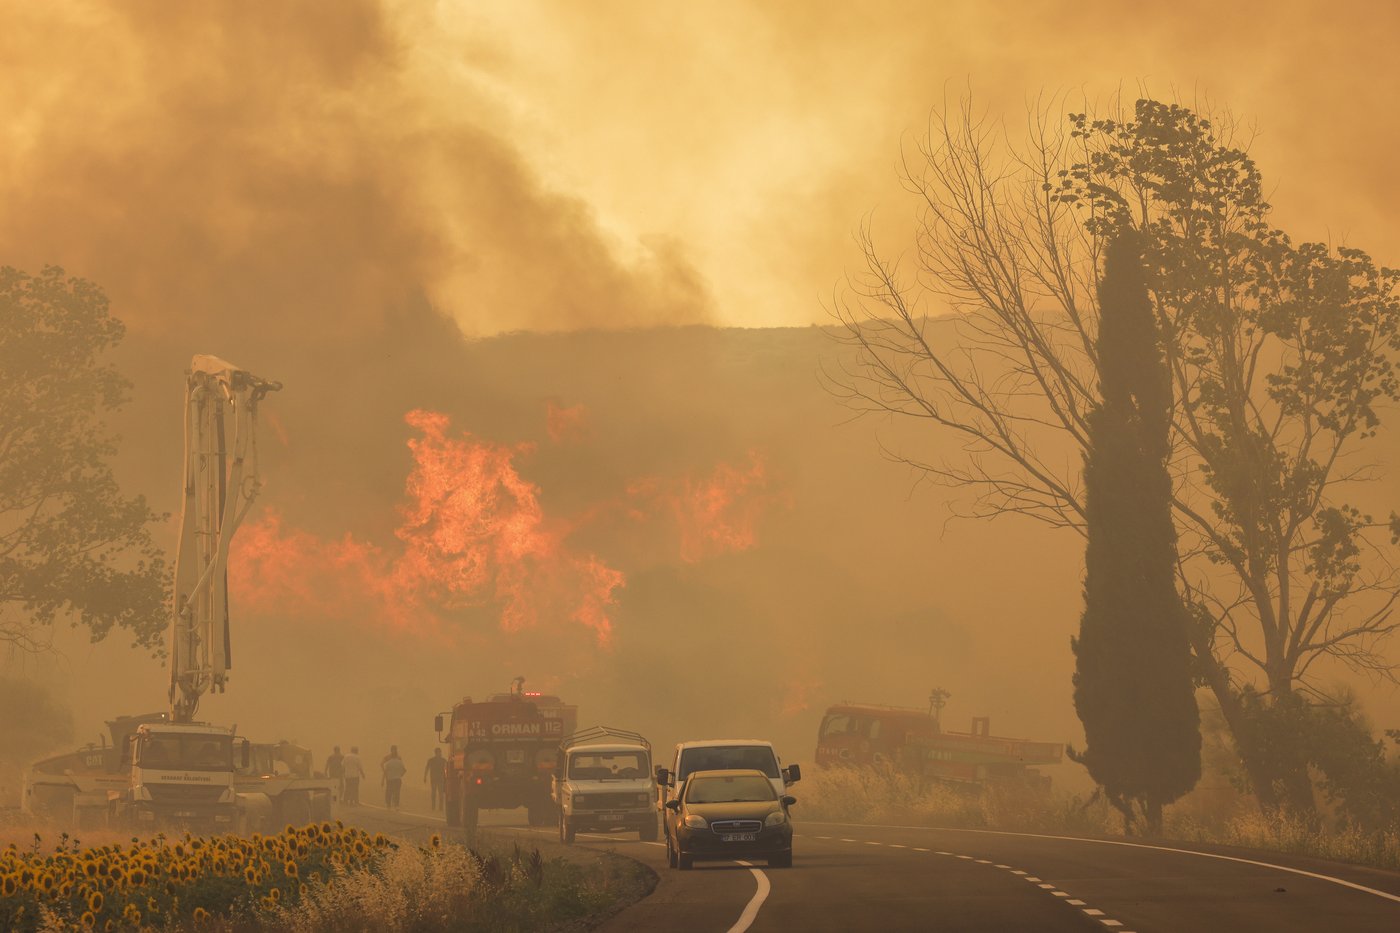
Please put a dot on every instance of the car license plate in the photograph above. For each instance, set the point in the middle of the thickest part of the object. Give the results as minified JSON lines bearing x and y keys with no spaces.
{"x":515,"y":756}
{"x":739,"y":837}
{"x":610,"y":816}
{"x":183,"y":813}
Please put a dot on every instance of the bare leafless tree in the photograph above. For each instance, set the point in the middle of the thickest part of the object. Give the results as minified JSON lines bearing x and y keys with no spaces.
{"x":1280,"y":355}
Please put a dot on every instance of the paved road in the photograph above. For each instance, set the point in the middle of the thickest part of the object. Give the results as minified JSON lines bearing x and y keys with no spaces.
{"x":851,"y":878}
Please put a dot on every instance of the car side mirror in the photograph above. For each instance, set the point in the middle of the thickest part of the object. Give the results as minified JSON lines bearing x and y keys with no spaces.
{"x":789,"y":800}
{"x":794,"y":774}
{"x":437,"y":723}
{"x":673,"y":804}
{"x":663,"y":777}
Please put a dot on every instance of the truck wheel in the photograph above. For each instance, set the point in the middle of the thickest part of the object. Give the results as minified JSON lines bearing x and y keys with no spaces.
{"x":648,"y":832}
{"x":566,"y":830}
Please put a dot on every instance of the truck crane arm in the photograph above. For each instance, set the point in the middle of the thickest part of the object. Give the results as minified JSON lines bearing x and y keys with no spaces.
{"x":220,"y":483}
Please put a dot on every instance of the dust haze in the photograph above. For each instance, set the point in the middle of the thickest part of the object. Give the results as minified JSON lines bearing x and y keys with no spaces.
{"x":578,"y":254}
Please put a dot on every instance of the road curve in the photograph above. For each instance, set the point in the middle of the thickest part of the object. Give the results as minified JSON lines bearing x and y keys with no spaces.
{"x":890,"y":878}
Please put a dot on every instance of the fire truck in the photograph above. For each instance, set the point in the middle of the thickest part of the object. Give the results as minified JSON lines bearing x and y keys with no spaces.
{"x":502,"y":753}
{"x":913,"y":741}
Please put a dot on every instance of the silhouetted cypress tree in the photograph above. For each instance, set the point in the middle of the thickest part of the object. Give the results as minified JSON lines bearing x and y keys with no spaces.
{"x":1133,"y":687}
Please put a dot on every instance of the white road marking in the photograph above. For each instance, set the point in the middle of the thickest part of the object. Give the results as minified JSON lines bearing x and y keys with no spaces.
{"x":1093,"y":911}
{"x":1059,"y":893}
{"x":895,"y":845}
{"x":1143,"y":845}
{"x":940,"y":852}
{"x":1110,"y":923}
{"x":1047,"y":887}
{"x":1075,"y":903}
{"x":917,"y":849}
{"x":874,"y":843}
{"x":1017,"y":872}
{"x":983,"y":861}
{"x":850,"y":840}
{"x":750,"y":913}
{"x":967,"y":857}
{"x":1002,"y":866}
{"x":1032,"y":878}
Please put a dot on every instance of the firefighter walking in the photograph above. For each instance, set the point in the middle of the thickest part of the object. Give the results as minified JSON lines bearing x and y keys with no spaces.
{"x":435,"y":776}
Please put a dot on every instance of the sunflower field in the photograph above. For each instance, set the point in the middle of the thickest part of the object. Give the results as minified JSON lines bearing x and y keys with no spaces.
{"x":194,"y":881}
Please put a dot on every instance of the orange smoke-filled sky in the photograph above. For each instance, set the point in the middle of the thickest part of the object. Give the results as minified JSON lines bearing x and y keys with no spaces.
{"x":552,"y":165}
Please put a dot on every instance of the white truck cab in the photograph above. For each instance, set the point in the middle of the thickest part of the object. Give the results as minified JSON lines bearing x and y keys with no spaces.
{"x":603,"y":783}
{"x":723,"y":755}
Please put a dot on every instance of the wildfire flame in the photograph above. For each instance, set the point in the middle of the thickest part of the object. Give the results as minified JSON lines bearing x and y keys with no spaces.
{"x":472,"y":532}
{"x":565,"y":423}
{"x":715,"y":514}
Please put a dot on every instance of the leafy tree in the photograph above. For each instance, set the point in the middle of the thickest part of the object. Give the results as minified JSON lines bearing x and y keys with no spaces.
{"x":35,"y":722}
{"x":71,"y":545}
{"x":1133,"y":684}
{"x":1281,"y":355}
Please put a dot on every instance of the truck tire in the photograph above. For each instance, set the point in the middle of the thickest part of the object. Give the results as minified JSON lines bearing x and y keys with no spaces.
{"x":296,"y":808}
{"x":566,"y":830}
{"x":540,"y":814}
{"x":648,"y":832}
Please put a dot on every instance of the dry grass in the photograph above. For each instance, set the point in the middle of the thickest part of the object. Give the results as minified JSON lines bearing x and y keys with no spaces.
{"x":871,"y":795}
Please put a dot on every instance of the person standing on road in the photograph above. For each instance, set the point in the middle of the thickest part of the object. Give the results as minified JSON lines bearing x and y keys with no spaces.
{"x":394,"y":770}
{"x":335,"y":770}
{"x":435,"y":774}
{"x":352,"y":770}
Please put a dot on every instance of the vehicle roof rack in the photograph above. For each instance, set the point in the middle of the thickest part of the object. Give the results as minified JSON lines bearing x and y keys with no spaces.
{"x":603,"y":732}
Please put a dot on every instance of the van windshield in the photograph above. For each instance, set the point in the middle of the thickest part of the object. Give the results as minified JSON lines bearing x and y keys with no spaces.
{"x":598,"y":765}
{"x":728,"y":758}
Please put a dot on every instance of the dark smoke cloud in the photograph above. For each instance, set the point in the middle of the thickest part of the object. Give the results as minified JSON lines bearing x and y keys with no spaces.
{"x":225,"y":168}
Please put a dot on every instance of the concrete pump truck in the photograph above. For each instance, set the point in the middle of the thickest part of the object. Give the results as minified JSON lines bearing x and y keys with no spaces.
{"x":166,"y":768}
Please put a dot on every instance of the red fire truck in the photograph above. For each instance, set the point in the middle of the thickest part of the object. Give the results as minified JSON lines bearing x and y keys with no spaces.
{"x":913,"y":741}
{"x":502,"y":753}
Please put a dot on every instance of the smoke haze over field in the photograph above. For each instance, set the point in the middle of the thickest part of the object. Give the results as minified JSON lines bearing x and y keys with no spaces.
{"x":370,"y":202}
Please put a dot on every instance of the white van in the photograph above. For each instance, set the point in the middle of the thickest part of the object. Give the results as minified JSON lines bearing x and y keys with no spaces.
{"x":723,"y":755}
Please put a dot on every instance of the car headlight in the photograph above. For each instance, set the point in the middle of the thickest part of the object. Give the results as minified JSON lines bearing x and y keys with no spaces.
{"x":695,"y":821}
{"x":643,"y":799}
{"x":776,"y":818}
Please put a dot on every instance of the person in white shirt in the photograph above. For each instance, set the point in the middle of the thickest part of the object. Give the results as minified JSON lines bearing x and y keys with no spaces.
{"x":394,"y":769}
{"x":354,"y":770}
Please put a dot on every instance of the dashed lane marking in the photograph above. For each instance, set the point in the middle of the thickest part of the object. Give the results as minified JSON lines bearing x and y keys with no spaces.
{"x":1093,"y":912}
{"x":1143,"y":845}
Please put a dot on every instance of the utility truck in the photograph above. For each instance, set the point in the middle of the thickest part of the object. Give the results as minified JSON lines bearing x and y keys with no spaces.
{"x":166,"y":767}
{"x":603,"y":783}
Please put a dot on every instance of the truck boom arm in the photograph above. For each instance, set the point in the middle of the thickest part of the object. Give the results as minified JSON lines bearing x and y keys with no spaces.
{"x":220,"y":483}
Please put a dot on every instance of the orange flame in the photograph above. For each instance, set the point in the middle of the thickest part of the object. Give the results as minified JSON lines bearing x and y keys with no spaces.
{"x":715,"y":514}
{"x":472,"y":532}
{"x":565,"y":423}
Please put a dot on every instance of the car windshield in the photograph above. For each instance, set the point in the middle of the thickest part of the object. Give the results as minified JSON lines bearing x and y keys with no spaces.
{"x":742,"y":788}
{"x":728,"y":758}
{"x":593,"y":766}
{"x":171,"y":752}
